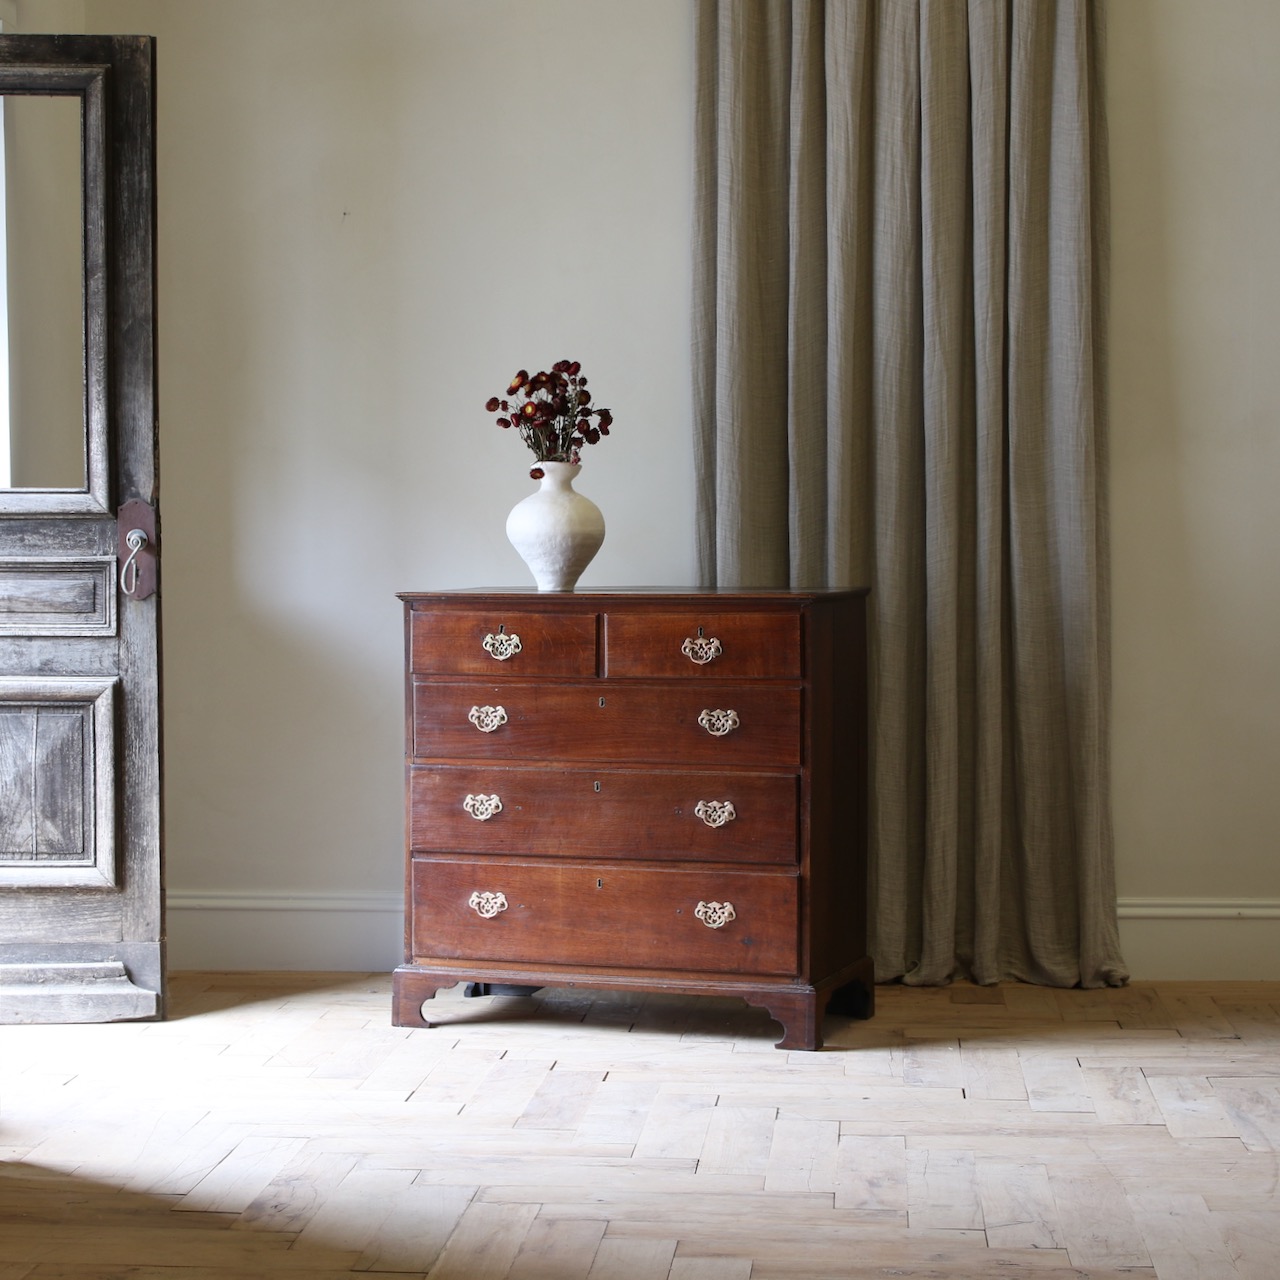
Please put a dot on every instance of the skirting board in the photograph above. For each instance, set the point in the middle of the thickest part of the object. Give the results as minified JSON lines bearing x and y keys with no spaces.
{"x":1201,"y":939}
{"x":1189,"y":939}
{"x":361,"y":932}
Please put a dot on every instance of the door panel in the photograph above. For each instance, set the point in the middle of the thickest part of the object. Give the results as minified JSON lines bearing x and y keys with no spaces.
{"x":57,"y":783}
{"x":58,"y":596}
{"x":81,"y":908}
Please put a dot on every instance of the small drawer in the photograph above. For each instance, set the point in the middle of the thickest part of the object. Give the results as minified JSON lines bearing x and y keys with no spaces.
{"x":722,"y":646}
{"x":488,"y":643}
{"x":609,"y":722}
{"x":605,"y":916}
{"x":594,"y":813}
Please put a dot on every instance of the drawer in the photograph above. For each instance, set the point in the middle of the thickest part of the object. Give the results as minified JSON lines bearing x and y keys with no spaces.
{"x":487,"y":642}
{"x":603,"y":915}
{"x":699,"y":817}
{"x":723,"y":646}
{"x":609,"y":723}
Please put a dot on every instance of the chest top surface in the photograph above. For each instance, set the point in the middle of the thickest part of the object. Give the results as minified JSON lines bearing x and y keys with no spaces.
{"x":596,"y":596}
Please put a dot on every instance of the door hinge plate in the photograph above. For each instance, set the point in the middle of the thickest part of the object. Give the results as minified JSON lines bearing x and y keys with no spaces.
{"x":139,"y":556}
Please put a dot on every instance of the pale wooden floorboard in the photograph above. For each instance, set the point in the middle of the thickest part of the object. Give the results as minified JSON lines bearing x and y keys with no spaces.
{"x":871,"y":1178}
{"x":278,"y":1125}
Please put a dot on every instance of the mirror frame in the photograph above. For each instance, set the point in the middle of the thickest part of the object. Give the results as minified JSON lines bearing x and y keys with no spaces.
{"x":88,"y":83}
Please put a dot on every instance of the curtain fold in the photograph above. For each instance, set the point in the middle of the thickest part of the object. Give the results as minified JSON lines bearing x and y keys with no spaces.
{"x":899,"y":312}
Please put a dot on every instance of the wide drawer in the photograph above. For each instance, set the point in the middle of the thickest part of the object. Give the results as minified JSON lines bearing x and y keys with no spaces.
{"x":699,"y":817}
{"x":609,"y":723}
{"x":702,"y":920}
{"x":483,"y":642}
{"x":719,"y":645}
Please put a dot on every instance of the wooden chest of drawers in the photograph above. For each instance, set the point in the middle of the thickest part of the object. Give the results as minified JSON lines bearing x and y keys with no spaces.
{"x":654,"y":790}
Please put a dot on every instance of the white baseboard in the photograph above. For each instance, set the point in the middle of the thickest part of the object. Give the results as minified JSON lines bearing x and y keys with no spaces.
{"x":273,"y":930}
{"x":1192,"y":939}
{"x":1199,"y":908}
{"x":1201,"y":939}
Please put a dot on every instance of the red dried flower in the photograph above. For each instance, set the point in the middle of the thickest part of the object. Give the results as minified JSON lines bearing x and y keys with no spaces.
{"x":553,"y":412}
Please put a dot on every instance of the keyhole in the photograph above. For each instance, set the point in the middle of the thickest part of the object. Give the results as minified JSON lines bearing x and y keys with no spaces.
{"x":699,"y":633}
{"x":597,"y":786}
{"x":599,"y":884}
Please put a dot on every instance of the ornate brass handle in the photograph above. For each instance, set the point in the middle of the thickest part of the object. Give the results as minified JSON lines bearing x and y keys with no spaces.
{"x":715,"y":813}
{"x":702,"y":649}
{"x":487,"y":719}
{"x":482,"y":808}
{"x":715,"y":915}
{"x":502,"y":646}
{"x":487,"y":905}
{"x":718,"y":723}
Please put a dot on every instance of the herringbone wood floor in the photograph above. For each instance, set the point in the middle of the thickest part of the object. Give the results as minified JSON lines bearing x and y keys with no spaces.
{"x":278,"y":1124}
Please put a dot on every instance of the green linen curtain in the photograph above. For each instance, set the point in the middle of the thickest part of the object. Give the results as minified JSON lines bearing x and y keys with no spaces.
{"x":899,"y":326}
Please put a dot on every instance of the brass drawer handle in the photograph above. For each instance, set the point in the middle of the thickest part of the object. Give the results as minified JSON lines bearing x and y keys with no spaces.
{"x":715,"y":813}
{"x":715,"y":915}
{"x":487,"y":905}
{"x":502,"y":646}
{"x":702,"y":649}
{"x":487,"y":719}
{"x":718,"y":723}
{"x":482,"y":808}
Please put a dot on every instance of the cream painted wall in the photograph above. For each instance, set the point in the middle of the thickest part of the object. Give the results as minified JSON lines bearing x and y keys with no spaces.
{"x":370,"y":213}
{"x":1194,"y":108}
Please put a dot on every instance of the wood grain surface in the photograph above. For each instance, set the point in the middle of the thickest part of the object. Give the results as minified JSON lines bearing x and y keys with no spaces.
{"x":277,"y":1124}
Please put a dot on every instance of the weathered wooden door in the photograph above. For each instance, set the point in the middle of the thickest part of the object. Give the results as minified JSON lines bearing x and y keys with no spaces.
{"x":81,"y":911}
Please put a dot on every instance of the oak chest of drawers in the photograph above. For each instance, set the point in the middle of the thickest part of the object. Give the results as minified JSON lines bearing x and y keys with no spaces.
{"x":656,"y":790}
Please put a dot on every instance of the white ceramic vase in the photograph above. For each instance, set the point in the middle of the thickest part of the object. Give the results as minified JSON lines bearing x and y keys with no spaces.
{"x":556,"y":530}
